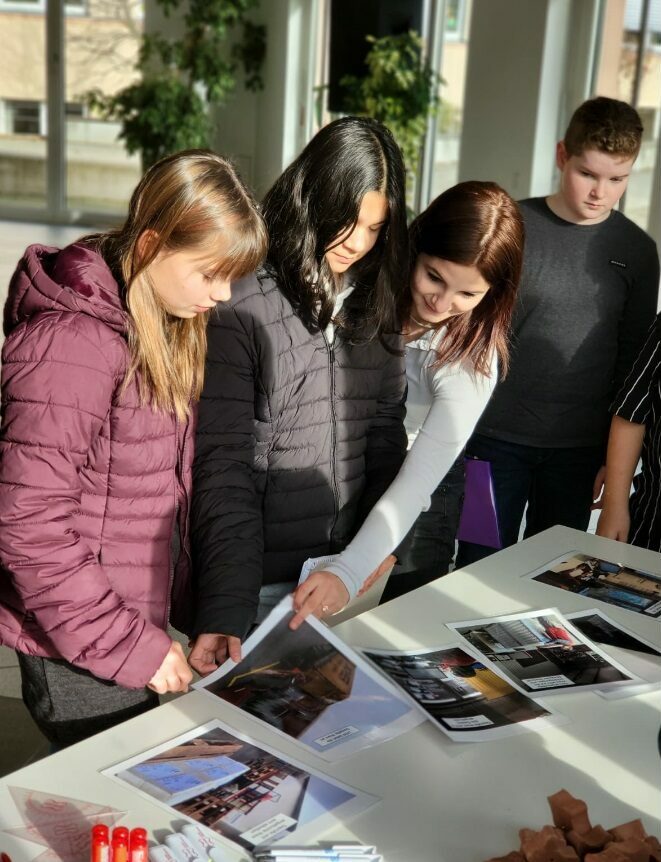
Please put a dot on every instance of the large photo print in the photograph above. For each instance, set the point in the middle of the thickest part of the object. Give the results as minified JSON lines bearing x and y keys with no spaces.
{"x":243,"y":790}
{"x":608,"y":582}
{"x":309,"y":685}
{"x":540,"y":652}
{"x":465,"y":698}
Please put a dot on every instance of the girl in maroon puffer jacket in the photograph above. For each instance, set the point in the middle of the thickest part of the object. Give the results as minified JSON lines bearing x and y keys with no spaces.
{"x":103,"y":359}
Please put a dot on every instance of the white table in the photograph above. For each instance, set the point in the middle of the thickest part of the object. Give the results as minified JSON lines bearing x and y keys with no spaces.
{"x":442,"y":801}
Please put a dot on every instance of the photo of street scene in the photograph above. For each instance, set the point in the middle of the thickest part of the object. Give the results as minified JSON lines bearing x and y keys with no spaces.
{"x":313,"y":689}
{"x":608,"y":582}
{"x":464,"y":697}
{"x":243,"y":791}
{"x":540,"y":652}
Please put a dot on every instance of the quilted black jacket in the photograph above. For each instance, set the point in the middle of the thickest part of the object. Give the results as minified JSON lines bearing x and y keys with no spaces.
{"x":296,"y":441}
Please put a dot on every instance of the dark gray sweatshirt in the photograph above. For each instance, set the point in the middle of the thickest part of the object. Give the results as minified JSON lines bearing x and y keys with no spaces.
{"x":587,"y":297}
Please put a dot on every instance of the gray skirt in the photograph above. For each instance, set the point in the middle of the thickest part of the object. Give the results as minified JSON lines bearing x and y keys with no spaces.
{"x":68,"y":704}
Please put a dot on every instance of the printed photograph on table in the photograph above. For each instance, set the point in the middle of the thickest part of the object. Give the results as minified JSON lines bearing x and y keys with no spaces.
{"x":540,"y":652}
{"x":608,"y":582}
{"x":640,"y":656}
{"x":245,"y":791}
{"x":312,"y":687}
{"x":465,"y":698}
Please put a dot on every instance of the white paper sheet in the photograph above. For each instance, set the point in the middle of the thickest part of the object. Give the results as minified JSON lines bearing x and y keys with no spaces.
{"x":310,"y":686}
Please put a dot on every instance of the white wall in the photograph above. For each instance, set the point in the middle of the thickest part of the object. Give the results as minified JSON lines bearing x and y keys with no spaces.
{"x":514,"y":83}
{"x":263,"y":132}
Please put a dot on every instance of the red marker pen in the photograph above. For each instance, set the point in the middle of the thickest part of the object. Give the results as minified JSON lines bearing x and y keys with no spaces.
{"x":100,"y":849}
{"x":138,"y":845}
{"x":120,"y":845}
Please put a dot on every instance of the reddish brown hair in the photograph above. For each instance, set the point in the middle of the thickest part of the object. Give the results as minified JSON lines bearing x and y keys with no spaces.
{"x":606,"y":125}
{"x":475,"y":224}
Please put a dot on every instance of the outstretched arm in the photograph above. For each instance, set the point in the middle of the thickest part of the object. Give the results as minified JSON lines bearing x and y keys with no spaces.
{"x":459,"y":398}
{"x":625,"y":443}
{"x":226,"y":518}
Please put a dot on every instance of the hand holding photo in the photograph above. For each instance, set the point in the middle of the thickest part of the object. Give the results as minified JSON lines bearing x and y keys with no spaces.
{"x":311,"y":686}
{"x":540,"y":652}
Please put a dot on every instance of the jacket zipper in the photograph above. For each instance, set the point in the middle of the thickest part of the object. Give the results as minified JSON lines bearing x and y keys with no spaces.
{"x":173,"y":525}
{"x":336,"y":494}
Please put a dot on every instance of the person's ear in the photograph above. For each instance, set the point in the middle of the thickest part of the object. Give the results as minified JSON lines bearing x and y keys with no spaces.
{"x":146,"y":243}
{"x":561,"y":155}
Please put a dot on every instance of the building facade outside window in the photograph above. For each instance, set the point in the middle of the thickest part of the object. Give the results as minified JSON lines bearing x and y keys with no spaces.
{"x":101,"y":43}
{"x":628,"y":67}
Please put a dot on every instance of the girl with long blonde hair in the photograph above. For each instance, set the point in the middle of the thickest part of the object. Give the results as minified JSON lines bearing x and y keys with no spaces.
{"x":102,"y":365}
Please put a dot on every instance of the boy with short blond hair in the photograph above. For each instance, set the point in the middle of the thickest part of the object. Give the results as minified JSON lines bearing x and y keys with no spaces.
{"x":587,"y":296}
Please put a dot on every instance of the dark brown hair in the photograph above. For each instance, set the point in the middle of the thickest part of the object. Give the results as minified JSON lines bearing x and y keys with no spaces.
{"x":606,"y":125}
{"x":475,"y":224}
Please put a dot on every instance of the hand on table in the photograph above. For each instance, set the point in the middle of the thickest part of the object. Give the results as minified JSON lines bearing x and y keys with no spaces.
{"x":209,"y":651}
{"x":173,"y":674}
{"x":322,"y":594}
{"x":383,"y":569}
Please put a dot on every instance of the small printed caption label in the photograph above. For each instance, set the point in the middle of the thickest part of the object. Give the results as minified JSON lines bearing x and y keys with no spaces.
{"x":337,"y":735}
{"x":269,"y":829}
{"x":557,"y":681}
{"x":468,"y":722}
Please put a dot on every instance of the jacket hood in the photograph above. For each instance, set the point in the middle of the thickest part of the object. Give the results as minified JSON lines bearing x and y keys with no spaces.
{"x":73,"y":279}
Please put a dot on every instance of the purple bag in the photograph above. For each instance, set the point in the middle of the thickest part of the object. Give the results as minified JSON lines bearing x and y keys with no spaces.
{"x":479,"y":520}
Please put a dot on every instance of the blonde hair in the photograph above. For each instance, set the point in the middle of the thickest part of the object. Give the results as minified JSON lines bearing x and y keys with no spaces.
{"x":192,"y":200}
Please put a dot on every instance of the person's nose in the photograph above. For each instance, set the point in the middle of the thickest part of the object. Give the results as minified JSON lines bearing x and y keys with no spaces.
{"x":222,"y":291}
{"x":599,"y":189}
{"x":356,"y":242}
{"x":442,"y":301}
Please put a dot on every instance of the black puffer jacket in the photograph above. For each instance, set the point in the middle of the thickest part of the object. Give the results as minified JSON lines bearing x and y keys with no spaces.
{"x":296,"y":441}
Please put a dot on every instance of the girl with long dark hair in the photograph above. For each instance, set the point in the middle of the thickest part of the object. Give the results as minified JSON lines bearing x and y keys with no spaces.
{"x":301,"y":420}
{"x":466,"y":252}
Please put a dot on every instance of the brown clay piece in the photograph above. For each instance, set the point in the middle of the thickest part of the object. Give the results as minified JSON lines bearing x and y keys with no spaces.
{"x":654,"y":847}
{"x":569,"y":813}
{"x":589,"y":842}
{"x":546,"y":845}
{"x":610,"y":854}
{"x":631,"y":829}
{"x":634,"y":849}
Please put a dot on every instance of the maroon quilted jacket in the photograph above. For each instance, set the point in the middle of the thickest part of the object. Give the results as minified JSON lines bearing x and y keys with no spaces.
{"x":90,"y":481}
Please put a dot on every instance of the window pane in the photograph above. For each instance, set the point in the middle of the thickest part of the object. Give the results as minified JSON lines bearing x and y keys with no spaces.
{"x":615,"y":76}
{"x":101,"y":51}
{"x":450,"y":111}
{"x":22,"y":106}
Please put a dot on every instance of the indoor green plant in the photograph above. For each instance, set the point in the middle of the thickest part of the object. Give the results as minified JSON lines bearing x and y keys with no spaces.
{"x":167,"y":109}
{"x":400,"y":89}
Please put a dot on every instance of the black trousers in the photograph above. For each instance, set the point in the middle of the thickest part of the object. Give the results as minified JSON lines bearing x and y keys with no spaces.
{"x":555,"y":485}
{"x":428,"y":550}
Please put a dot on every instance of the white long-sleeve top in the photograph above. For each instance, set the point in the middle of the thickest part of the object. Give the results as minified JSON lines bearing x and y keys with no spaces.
{"x":443,"y":405}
